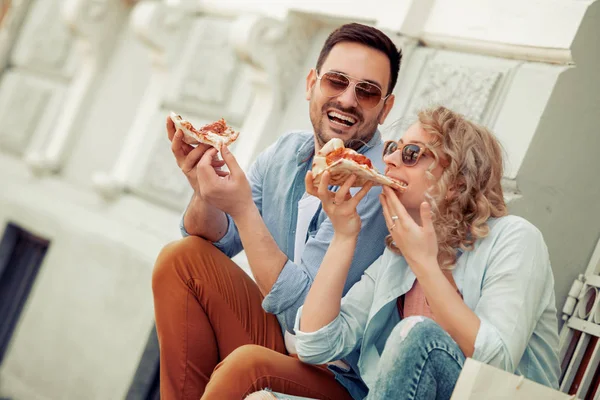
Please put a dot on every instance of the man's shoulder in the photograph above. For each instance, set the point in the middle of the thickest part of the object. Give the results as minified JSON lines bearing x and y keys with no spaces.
{"x":283,"y":153}
{"x":375,"y":154}
{"x":293,"y":139}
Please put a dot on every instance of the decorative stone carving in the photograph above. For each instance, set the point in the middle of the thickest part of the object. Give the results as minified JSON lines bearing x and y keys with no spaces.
{"x":211,"y":66}
{"x":467,"y":90}
{"x":140,"y":168}
{"x":155,"y":24}
{"x":275,"y":47}
{"x":13,"y":16}
{"x":94,"y":26}
{"x":22,"y":105}
{"x":45,"y":41}
{"x":162,"y":180}
{"x":277,"y":51}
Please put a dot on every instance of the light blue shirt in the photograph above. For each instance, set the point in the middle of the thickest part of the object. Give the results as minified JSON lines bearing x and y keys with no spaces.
{"x":277,"y":181}
{"x":506,"y":280}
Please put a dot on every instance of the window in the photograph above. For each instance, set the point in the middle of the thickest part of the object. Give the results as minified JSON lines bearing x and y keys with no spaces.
{"x":21,"y":254}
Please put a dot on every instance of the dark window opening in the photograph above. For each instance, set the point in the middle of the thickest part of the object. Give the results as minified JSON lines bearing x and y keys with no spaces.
{"x":145,"y":384}
{"x":21,"y":255}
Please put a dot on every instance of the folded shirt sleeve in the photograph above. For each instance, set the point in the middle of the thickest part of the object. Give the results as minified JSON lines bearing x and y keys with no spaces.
{"x":294,"y":281}
{"x":517,"y":286}
{"x":343,"y":335}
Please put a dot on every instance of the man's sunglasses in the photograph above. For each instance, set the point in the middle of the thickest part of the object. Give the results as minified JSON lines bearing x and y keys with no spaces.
{"x":368,"y":95}
{"x":410,"y":152}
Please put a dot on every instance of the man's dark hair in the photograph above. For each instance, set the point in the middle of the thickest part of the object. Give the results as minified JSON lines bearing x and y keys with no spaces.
{"x":368,"y":36}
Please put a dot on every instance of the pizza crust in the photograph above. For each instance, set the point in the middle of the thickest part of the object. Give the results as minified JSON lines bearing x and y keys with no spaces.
{"x":340,"y":170}
{"x":194,"y":136}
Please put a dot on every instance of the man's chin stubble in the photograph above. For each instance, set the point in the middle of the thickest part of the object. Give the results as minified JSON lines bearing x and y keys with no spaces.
{"x":354,"y":143}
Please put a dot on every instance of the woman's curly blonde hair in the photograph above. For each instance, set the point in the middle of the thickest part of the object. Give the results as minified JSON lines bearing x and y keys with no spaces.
{"x":469,"y":190}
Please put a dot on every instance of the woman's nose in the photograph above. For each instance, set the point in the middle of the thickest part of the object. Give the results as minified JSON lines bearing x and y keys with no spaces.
{"x":391,"y":159}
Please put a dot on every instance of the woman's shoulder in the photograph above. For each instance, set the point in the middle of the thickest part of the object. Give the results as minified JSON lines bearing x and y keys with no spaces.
{"x":512,"y":236}
{"x":512,"y":227}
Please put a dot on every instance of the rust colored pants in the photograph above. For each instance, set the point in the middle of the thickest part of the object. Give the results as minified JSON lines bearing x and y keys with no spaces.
{"x":206,"y":307}
{"x":251,"y":368}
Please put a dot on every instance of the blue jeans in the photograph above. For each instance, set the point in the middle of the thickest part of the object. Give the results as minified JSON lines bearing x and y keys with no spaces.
{"x":419,"y":361}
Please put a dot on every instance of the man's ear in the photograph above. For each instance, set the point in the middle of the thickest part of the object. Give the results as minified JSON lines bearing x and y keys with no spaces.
{"x":311,"y":80}
{"x":387,"y":107}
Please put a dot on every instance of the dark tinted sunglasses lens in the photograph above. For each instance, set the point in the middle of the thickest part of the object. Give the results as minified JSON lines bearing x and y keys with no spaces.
{"x":368,"y":95}
{"x":410,"y":154}
{"x":389,"y":148}
{"x":333,"y":84}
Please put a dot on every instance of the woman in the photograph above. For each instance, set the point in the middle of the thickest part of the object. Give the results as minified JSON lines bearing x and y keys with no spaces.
{"x":453,"y":255}
{"x":459,"y":278}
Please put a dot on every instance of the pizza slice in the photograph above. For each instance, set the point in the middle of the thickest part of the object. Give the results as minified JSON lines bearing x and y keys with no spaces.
{"x":215,"y":134}
{"x":342,"y":162}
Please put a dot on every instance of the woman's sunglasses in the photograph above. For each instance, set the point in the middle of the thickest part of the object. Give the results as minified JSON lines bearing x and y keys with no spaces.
{"x":368,"y":95}
{"x":410,"y":152}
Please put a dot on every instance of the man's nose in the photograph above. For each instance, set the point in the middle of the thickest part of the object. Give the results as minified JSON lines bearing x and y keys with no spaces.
{"x":348,"y":99}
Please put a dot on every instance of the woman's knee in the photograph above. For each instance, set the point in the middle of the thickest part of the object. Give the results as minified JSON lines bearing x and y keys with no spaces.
{"x":415,"y":329}
{"x":417,"y":353}
{"x":414,"y":334}
{"x":420,"y":335}
{"x":261,"y":395}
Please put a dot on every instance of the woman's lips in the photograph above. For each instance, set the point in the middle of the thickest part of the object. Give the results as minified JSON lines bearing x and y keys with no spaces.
{"x":400,"y":181}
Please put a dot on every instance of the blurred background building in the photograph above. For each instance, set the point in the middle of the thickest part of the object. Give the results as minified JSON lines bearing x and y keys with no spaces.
{"x":90,"y":192}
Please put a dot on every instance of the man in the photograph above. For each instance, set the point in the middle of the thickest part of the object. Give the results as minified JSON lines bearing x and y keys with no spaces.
{"x":205,"y":305}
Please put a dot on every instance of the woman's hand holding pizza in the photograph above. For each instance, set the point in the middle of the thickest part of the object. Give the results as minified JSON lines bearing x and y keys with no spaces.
{"x":339,"y":206}
{"x":418,"y":244}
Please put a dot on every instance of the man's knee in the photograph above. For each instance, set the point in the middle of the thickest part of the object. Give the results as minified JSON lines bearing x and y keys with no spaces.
{"x":171,"y":259}
{"x":245,"y":360}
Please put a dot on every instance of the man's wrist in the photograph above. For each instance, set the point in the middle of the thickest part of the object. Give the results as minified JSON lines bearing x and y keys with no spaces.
{"x":204,"y":220}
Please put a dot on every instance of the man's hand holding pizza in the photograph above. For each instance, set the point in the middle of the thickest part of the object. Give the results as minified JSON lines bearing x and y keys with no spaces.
{"x":202,"y":218}
{"x":187,"y":156}
{"x":218,"y":192}
{"x":228,"y":191}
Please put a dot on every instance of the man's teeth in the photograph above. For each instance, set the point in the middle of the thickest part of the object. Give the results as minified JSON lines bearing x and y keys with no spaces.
{"x":348,"y":120}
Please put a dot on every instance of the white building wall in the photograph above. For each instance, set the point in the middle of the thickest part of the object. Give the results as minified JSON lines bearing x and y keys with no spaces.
{"x":85,"y":163}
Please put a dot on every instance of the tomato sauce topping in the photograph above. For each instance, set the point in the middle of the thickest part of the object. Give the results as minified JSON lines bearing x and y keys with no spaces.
{"x":348,"y":154}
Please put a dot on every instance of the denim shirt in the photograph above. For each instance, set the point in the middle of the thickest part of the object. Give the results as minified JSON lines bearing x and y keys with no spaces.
{"x":506,"y":280}
{"x":277,"y":182}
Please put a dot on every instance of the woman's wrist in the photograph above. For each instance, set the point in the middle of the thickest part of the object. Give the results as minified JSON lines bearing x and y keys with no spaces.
{"x":248,"y":217}
{"x":344,"y":238}
{"x":424,"y":270}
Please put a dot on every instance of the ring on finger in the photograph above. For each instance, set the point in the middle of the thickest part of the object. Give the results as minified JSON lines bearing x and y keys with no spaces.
{"x":394,"y":218}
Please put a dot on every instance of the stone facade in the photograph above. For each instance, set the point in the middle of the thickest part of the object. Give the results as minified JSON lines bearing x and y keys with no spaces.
{"x":86,"y":85}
